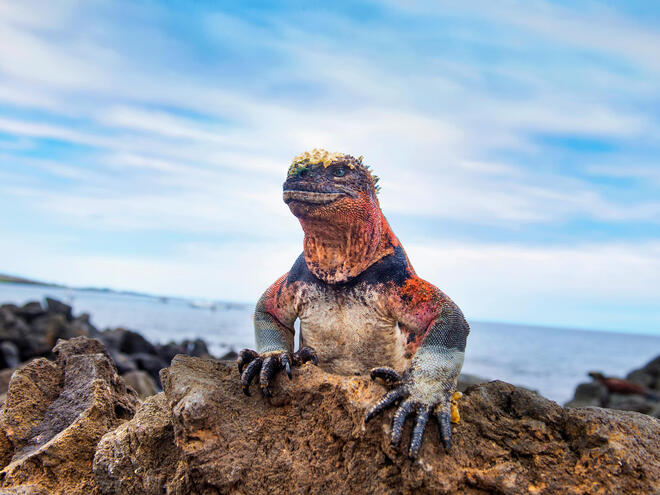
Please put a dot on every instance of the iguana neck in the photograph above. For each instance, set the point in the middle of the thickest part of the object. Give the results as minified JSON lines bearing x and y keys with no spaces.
{"x":339,"y":249}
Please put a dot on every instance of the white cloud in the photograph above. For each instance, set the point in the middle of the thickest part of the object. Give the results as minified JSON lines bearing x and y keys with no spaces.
{"x":198,"y":149}
{"x":559,"y":285}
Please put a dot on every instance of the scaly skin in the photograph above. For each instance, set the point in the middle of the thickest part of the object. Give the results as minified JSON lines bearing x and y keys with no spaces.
{"x":362,"y":307}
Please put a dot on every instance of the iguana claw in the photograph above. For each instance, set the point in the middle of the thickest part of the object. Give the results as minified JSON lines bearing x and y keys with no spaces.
{"x":251,"y":363}
{"x":411,"y":403}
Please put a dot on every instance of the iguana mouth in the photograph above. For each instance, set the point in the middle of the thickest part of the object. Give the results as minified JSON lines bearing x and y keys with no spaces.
{"x":311,"y":196}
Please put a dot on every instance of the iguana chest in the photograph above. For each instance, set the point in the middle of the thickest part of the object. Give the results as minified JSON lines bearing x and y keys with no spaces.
{"x":351,"y":329}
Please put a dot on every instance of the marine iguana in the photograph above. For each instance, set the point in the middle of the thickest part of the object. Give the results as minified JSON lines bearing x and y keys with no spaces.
{"x":362,"y":307}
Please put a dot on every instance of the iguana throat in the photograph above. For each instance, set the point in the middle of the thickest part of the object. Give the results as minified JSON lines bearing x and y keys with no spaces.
{"x":337,"y":250}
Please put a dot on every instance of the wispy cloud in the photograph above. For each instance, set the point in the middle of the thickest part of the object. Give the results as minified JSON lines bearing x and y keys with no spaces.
{"x":119,"y":119}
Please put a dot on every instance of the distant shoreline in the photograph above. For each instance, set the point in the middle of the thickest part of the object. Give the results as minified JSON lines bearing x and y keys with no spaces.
{"x":10,"y":279}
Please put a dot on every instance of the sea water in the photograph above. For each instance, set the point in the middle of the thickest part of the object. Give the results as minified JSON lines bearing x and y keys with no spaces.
{"x":550,"y":360}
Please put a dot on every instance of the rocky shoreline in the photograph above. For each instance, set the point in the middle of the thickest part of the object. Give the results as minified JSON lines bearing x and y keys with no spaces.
{"x":71,"y":424}
{"x":32,"y":330}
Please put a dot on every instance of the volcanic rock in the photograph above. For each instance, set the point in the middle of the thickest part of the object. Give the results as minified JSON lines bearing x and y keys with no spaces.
{"x":202,"y":435}
{"x":58,"y":307}
{"x":54,"y":415}
{"x":589,"y":394}
{"x":141,"y":382}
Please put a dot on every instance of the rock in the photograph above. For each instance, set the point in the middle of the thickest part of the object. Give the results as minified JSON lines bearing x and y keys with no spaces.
{"x":30,"y":310}
{"x":150,"y":363}
{"x":43,"y":334}
{"x":653,"y":366}
{"x":124,"y":362}
{"x":625,"y":402}
{"x":589,"y":394}
{"x":127,"y":341}
{"x":229,"y":356}
{"x":113,"y":339}
{"x":642,"y":378}
{"x":201,"y":435}
{"x":141,"y":382}
{"x":648,"y":375}
{"x":655,"y":412}
{"x":135,"y":343}
{"x":54,"y":415}
{"x":5,"y":377}
{"x":147,"y":467}
{"x":24,"y":490}
{"x":7,"y":317}
{"x":465,"y":381}
{"x":31,"y":391}
{"x":82,"y":327}
{"x":12,"y":328}
{"x":197,"y":348}
{"x":58,"y":307}
{"x":167,"y":351}
{"x":9,"y":355}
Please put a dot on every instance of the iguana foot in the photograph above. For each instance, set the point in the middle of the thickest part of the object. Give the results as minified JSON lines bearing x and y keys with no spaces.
{"x":415,"y":397}
{"x":266,"y":365}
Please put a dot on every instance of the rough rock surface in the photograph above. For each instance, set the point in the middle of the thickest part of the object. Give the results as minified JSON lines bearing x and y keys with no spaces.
{"x":201,"y":435}
{"x":54,"y":415}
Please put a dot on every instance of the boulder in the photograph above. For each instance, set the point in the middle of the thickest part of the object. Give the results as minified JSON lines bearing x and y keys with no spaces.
{"x":466,"y":380}
{"x":141,"y":382}
{"x":124,"y":362}
{"x":5,"y":378}
{"x":167,"y":351}
{"x":54,"y":415}
{"x":43,"y":334}
{"x":30,"y":310}
{"x":127,"y":341}
{"x":13,"y":328}
{"x":150,"y":363}
{"x":202,"y":435}
{"x":648,"y":375}
{"x":641,"y":378}
{"x":196,"y":348}
{"x":589,"y":394}
{"x":60,"y":308}
{"x":146,"y":468}
{"x":627,"y":402}
{"x":9,"y":354}
{"x":81,"y":326}
{"x":230,"y":355}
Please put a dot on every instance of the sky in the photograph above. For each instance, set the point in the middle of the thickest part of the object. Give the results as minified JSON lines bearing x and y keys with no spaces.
{"x":143,"y":145}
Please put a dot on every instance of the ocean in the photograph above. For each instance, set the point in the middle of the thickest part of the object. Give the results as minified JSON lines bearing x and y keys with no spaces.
{"x":551,"y":361}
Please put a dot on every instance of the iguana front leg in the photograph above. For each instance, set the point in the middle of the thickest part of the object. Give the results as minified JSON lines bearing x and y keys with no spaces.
{"x":274,"y":316}
{"x":426,"y":388}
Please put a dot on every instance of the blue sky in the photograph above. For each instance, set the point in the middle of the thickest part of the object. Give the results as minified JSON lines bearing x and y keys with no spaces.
{"x":143,"y":145}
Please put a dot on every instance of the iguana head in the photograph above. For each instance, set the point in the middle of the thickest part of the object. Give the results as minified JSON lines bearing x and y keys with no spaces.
{"x":334,"y":197}
{"x":322,"y":184}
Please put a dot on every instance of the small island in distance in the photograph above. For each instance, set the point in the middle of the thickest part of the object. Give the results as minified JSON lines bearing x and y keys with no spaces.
{"x":12,"y":279}
{"x":20,"y":280}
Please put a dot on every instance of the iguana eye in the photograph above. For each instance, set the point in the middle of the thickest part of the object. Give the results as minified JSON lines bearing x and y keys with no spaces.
{"x":339,"y":172}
